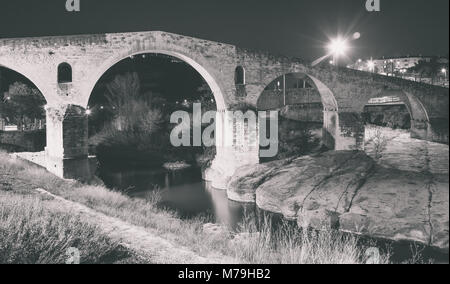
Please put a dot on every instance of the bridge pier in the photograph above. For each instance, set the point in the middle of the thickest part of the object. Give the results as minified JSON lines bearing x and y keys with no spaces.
{"x":420,"y":129}
{"x":67,"y":141}
{"x":330,"y":127}
{"x":343,"y":131}
{"x":350,"y":132}
{"x":237,"y":145}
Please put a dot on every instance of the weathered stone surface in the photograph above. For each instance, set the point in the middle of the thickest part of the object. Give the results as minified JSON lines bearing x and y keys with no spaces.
{"x":349,"y":191}
{"x":319,"y":219}
{"x":439,"y":212}
{"x":310,"y":183}
{"x":392,"y":204}
{"x":242,"y":185}
{"x":406,"y":153}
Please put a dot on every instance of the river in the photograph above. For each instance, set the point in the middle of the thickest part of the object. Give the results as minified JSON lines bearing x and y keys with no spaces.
{"x":182,"y":191}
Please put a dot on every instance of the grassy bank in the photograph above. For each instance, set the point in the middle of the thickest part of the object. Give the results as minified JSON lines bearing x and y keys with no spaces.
{"x":283,"y":246}
{"x":36,"y":231}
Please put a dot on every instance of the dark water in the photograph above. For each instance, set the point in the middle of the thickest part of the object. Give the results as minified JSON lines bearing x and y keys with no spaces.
{"x":182,"y":191}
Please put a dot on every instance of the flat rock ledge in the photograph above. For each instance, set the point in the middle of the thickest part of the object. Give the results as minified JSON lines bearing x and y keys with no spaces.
{"x":347,"y":190}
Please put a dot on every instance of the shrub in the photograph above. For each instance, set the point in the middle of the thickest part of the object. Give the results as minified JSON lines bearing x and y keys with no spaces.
{"x":377,"y":139}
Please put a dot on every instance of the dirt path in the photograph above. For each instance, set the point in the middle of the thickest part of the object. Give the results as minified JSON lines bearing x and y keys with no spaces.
{"x":150,"y":246}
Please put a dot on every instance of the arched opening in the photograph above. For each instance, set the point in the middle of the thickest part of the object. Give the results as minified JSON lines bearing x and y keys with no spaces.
{"x":64,"y":73}
{"x":396,"y":122}
{"x":388,"y":109}
{"x":212,"y":83}
{"x":22,"y":113}
{"x":307,"y":113}
{"x":129,"y":113}
{"x":239,"y":76}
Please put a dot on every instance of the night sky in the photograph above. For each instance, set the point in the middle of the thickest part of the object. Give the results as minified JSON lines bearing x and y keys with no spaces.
{"x":292,"y":27}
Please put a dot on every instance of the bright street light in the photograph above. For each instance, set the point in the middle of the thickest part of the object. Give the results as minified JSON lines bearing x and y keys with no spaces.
{"x":88,"y":112}
{"x":338,"y":47}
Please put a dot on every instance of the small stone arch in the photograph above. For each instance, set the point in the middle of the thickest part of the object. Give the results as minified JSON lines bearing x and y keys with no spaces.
{"x":420,"y":121}
{"x":64,"y":73}
{"x":330,"y":133}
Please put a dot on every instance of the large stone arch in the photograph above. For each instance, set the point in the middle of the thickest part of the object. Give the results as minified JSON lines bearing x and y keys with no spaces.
{"x":30,"y":76}
{"x":210,"y":79}
{"x":330,"y":135}
{"x":225,"y":161}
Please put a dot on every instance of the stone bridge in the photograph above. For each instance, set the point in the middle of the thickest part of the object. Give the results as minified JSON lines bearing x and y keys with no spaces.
{"x":66,"y":68}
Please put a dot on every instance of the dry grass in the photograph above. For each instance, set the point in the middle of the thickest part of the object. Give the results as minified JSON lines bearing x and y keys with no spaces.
{"x":36,"y":231}
{"x":286,"y":245}
{"x":289,"y":245}
{"x":138,"y":212}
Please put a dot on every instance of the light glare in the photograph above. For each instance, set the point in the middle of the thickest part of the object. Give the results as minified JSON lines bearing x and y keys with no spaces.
{"x":338,"y":47}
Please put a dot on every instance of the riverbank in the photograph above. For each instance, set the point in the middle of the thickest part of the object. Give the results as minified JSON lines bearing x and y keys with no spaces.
{"x":34,"y":229}
{"x":399,"y":191}
{"x":286,"y":246}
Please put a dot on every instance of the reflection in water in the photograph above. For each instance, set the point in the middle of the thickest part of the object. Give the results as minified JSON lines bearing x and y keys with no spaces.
{"x":182,"y":191}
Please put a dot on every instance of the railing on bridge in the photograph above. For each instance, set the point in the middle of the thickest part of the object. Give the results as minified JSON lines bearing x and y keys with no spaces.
{"x":384,"y":100}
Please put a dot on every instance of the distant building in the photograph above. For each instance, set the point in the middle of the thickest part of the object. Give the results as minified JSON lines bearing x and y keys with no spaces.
{"x":401,"y":67}
{"x":388,"y":65}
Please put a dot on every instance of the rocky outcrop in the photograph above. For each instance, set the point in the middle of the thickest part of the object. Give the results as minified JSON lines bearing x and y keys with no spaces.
{"x":347,"y":190}
{"x":243,"y":184}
